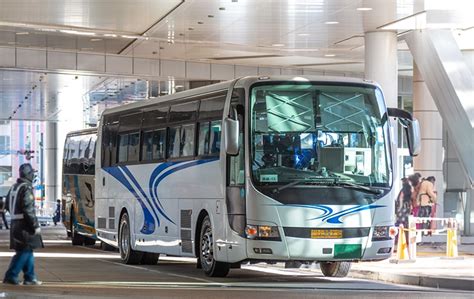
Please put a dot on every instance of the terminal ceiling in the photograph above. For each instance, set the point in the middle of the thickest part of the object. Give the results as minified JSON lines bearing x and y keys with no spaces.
{"x":315,"y":34}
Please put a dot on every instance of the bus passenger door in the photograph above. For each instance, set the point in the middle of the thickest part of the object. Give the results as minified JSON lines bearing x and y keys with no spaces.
{"x":236,"y":192}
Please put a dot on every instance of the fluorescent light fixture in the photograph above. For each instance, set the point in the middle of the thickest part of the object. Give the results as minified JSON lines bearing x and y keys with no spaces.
{"x":110,"y":35}
{"x":331,"y":22}
{"x":278,"y":45}
{"x":303,"y":34}
{"x":329,"y":55}
{"x":22,"y":33}
{"x":77,"y":32}
{"x":364,"y":8}
{"x":127,"y":36}
{"x":416,"y":21}
{"x":96,"y":39}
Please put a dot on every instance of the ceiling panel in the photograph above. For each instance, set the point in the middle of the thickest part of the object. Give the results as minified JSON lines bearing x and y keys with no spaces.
{"x":120,"y":15}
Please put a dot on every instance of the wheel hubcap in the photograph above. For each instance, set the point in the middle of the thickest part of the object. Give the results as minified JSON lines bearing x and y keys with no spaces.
{"x":124,"y":241}
{"x":206,"y":247}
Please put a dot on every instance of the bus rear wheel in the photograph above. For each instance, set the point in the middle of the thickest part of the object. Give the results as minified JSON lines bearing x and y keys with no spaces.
{"x":128,"y":255}
{"x":335,"y":269}
{"x":210,"y":266}
{"x":76,"y":238}
{"x":149,"y":258}
{"x":89,"y":241}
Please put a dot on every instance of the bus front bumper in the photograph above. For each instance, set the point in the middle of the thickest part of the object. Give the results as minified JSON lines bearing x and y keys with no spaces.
{"x":301,"y":249}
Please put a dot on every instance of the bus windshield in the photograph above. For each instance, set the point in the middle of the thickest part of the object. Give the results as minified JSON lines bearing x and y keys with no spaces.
{"x":305,"y":133}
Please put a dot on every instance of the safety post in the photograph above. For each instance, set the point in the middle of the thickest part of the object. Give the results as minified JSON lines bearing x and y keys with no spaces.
{"x":452,"y":240}
{"x":412,"y":237}
{"x":402,"y":248}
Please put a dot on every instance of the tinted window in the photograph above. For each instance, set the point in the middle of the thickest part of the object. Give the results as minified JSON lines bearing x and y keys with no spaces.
{"x":183,"y":112}
{"x":173,"y":142}
{"x":203,"y":143}
{"x":153,"y":145}
{"x":79,"y":154}
{"x":156,"y":117}
{"x":133,"y":146}
{"x":212,"y":107}
{"x":131,"y":122}
{"x":122,"y":148}
{"x":187,"y":141}
{"x":215,"y":137}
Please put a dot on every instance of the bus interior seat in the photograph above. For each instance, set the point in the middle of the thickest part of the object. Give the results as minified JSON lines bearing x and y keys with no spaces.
{"x":332,"y":158}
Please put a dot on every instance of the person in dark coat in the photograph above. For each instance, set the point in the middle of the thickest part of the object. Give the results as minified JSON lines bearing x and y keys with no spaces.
{"x":57,"y":212}
{"x":25,"y":233}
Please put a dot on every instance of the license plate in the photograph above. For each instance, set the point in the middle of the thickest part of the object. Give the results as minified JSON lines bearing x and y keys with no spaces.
{"x":326,"y":234}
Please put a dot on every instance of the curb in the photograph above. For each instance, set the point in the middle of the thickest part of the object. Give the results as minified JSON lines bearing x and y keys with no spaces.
{"x":432,"y":282}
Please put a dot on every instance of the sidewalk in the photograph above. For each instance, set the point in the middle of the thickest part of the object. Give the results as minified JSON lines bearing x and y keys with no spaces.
{"x":429,"y":270}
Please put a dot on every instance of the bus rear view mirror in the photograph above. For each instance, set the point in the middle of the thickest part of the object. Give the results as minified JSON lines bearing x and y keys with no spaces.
{"x":412,"y":129}
{"x":231,"y":133}
{"x":413,"y":137}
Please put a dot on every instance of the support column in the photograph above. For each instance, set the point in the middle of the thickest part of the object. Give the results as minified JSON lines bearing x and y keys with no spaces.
{"x":381,"y":66}
{"x":430,"y":161}
{"x":51,"y":166}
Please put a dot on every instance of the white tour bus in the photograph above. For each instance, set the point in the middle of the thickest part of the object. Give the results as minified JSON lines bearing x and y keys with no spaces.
{"x":254,"y":169}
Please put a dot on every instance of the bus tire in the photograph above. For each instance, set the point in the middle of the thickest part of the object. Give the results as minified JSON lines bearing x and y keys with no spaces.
{"x":335,"y":269}
{"x":127,"y":254}
{"x":89,"y":241}
{"x":150,"y":258}
{"x":76,"y":238}
{"x":106,"y":247}
{"x":210,"y":266}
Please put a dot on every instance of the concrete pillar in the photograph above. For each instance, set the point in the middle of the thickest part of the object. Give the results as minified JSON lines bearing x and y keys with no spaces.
{"x":381,"y":66}
{"x":51,"y":166}
{"x":430,"y":161}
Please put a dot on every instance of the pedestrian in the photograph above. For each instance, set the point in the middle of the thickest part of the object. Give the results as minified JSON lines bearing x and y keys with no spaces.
{"x":415,"y":184}
{"x":2,"y":213}
{"x":25,"y":233}
{"x":57,"y":213}
{"x":426,"y":199}
{"x":403,"y":204}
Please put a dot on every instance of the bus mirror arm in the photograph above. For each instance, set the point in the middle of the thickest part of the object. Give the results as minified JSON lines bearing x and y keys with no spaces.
{"x":231,"y":133}
{"x":412,"y":129}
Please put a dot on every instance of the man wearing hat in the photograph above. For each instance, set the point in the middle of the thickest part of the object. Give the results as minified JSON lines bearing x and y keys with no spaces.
{"x":25,"y":229}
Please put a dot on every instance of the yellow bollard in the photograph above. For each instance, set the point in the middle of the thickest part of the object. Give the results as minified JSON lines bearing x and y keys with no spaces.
{"x":402,"y":247}
{"x":452,"y":241}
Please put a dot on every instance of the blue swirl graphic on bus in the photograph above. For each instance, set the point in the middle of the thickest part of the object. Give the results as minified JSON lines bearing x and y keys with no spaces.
{"x":328,"y":213}
{"x":127,"y":179}
{"x":149,"y":222}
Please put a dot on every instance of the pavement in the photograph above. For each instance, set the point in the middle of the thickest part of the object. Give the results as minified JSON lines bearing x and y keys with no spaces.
{"x":430,"y":269}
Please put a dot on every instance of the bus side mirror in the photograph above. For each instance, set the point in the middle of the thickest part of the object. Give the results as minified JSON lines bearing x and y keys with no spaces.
{"x":413,"y":137}
{"x":231,"y":133}
{"x":412,"y":129}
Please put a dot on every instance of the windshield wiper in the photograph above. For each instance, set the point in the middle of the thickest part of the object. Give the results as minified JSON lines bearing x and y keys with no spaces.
{"x":357,"y":187}
{"x":297,"y":182}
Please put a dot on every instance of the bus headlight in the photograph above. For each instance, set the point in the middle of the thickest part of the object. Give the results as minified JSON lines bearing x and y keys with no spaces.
{"x":262,"y":232}
{"x":382,"y":233}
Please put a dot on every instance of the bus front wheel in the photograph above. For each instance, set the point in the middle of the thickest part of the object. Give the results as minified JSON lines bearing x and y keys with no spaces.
{"x":335,"y":269}
{"x":128,"y":255}
{"x":210,"y":266}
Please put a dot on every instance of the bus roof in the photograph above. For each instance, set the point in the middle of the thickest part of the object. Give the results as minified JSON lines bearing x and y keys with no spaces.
{"x":241,"y":82}
{"x":82,"y":132}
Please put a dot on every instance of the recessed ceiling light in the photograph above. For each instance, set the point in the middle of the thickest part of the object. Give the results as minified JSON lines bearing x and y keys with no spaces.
{"x":96,"y":39}
{"x":303,"y":34}
{"x":331,"y":22}
{"x":22,"y":33}
{"x":200,"y":22}
{"x":110,"y":35}
{"x":210,"y":16}
{"x":329,"y":55}
{"x":190,"y":28}
{"x":278,"y":45}
{"x":221,"y":8}
{"x":364,"y":8}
